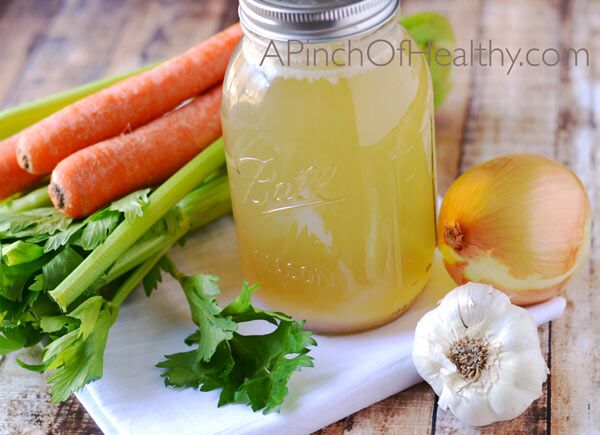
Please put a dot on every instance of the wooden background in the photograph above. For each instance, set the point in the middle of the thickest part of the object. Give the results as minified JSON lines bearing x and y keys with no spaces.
{"x":50,"y":45}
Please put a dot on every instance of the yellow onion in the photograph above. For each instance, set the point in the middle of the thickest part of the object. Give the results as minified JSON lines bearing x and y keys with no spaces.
{"x":521,"y":223}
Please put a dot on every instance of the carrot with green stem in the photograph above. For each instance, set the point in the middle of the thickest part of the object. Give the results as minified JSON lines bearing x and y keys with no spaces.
{"x":97,"y":175}
{"x":128,"y":104}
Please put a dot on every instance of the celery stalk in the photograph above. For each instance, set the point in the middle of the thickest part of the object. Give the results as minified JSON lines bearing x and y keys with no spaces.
{"x":16,"y":119}
{"x":34,"y":199}
{"x":136,"y":277}
{"x":206,"y":203}
{"x":200,"y":207}
{"x":127,"y":233}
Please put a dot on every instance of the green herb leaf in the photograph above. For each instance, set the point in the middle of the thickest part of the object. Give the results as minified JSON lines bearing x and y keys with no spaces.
{"x":13,"y":279}
{"x":60,"y":267}
{"x":154,"y":277}
{"x":18,"y":312}
{"x":183,"y":370}
{"x":76,"y":358}
{"x":62,"y":238}
{"x":249,"y":369}
{"x":40,"y":222}
{"x":32,"y":367}
{"x":242,"y":310}
{"x":132,"y":205}
{"x":38,"y":283}
{"x":213,"y":328}
{"x":98,"y":228}
{"x":266,"y":370}
{"x":50,"y":324}
{"x":10,"y":340}
{"x":15,"y":338}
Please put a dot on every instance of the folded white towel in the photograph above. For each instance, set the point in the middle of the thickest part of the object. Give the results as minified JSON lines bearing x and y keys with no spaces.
{"x":351,"y":372}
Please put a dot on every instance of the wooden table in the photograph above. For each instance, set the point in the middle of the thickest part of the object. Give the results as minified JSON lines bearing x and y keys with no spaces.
{"x":50,"y":45}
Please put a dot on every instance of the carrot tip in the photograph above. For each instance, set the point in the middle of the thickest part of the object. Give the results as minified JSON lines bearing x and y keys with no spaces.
{"x":58,"y":195}
{"x":24,"y":161}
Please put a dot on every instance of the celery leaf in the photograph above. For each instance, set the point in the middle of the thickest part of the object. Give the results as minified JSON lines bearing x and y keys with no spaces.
{"x":57,"y":269}
{"x":98,"y":228}
{"x":76,"y":358}
{"x":62,"y":238}
{"x":199,"y":290}
{"x":39,"y":223}
{"x":132,"y":205}
{"x":153,"y":278}
{"x":15,"y":338}
{"x":249,"y":369}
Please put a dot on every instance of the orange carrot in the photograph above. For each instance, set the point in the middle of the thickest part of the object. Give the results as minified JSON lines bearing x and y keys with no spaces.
{"x":12,"y":177}
{"x":128,"y":104}
{"x":97,"y":175}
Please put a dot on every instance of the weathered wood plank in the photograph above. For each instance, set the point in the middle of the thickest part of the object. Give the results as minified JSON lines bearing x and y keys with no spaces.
{"x":160,"y":30}
{"x":451,"y":117}
{"x":407,"y":412}
{"x":514,"y":112}
{"x":17,"y":44}
{"x":574,"y":339}
{"x":71,"y":418}
{"x":73,"y":49}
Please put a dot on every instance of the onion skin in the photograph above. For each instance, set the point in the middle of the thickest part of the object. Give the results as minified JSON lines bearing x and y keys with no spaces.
{"x":521,"y":223}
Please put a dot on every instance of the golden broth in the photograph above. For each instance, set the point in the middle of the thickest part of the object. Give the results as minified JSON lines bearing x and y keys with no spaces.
{"x":333,"y":189}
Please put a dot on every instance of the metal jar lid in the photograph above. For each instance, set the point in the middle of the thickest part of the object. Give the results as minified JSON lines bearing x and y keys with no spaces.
{"x":314,"y":20}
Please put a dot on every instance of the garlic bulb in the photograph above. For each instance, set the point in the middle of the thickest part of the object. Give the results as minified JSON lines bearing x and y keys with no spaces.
{"x":521,"y":223}
{"x":481,"y":355}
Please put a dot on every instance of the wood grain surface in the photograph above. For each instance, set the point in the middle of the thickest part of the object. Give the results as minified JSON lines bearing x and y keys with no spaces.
{"x":51,"y":45}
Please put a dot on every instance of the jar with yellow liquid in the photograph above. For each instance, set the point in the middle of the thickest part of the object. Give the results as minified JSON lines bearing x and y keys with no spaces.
{"x":329,"y":134}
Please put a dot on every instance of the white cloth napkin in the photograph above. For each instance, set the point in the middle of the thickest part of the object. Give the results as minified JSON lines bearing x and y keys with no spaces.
{"x":351,"y":372}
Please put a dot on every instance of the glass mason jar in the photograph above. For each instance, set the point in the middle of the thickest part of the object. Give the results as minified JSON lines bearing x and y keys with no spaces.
{"x":330,"y":157}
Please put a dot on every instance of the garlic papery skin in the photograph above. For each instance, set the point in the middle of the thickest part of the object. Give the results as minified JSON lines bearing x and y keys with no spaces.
{"x":480,"y":354}
{"x":521,"y":223}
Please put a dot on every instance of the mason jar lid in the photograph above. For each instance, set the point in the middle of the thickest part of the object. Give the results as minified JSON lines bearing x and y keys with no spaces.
{"x":314,"y":20}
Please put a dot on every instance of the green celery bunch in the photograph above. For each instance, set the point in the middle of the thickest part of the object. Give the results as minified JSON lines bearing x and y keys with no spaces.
{"x":41,"y":248}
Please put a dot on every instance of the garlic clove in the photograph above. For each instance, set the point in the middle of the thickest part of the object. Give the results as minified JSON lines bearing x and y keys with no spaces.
{"x":519,"y":386}
{"x":480,"y":354}
{"x":471,"y":408}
